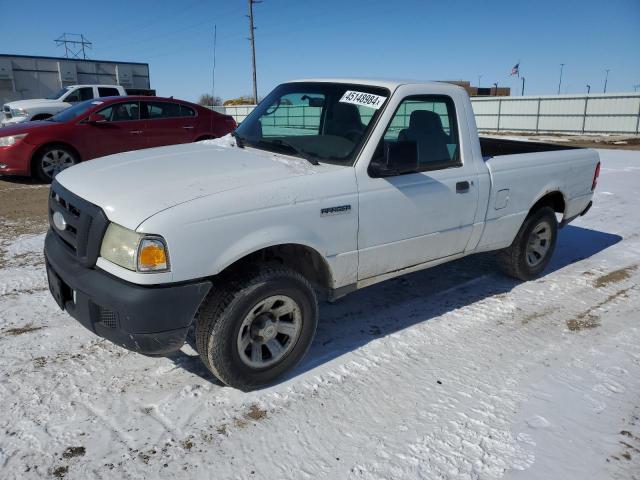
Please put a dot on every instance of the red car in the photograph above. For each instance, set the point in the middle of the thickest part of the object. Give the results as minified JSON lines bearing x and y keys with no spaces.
{"x":103,"y":126}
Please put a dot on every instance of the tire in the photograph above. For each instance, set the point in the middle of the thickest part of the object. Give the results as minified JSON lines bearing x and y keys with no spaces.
{"x":521,"y":260}
{"x":234,"y":334}
{"x":51,"y":160}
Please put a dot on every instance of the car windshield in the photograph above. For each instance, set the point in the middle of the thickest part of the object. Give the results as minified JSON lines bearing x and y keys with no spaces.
{"x":73,"y":112}
{"x":321,"y":122}
{"x":57,"y":95}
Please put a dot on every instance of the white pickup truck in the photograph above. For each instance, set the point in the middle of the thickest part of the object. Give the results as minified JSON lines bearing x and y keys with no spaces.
{"x":328,"y":186}
{"x":43,"y":108}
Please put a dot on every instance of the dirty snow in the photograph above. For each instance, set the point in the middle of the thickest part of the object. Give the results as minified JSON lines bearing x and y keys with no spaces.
{"x":456,"y":372}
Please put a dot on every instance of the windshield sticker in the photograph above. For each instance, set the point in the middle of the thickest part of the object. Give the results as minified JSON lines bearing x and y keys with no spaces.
{"x":363,"y":99}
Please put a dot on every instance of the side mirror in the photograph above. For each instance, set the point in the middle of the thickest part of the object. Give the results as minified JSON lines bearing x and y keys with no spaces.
{"x":96,"y":118}
{"x":399,"y":158}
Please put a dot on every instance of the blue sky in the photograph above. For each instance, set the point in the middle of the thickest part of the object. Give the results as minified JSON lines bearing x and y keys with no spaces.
{"x":419,"y":39}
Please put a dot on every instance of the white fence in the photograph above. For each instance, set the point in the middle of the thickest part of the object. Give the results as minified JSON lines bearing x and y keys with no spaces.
{"x":578,"y":114}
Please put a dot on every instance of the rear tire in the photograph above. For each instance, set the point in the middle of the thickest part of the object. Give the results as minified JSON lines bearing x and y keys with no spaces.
{"x":257,"y":327}
{"x":533,"y":247}
{"x":51,"y":160}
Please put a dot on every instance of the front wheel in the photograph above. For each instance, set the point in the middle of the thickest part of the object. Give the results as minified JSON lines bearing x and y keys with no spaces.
{"x":531,"y":251}
{"x":51,"y":160}
{"x":253,"y":330}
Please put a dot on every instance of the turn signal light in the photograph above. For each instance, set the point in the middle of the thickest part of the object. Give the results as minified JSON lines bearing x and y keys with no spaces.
{"x":152,"y":256}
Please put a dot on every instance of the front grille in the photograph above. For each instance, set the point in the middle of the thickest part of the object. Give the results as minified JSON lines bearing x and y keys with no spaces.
{"x":7,"y":112}
{"x":107,"y":317}
{"x":85,"y":224}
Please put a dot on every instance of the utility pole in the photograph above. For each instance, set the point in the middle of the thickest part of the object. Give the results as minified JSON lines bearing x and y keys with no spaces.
{"x":213,"y":71}
{"x":496,"y":91}
{"x":522,"y":94}
{"x":560,"y":82}
{"x":479,"y":78}
{"x":73,"y":48}
{"x":606,"y":78}
{"x":253,"y":49}
{"x":588,"y":89}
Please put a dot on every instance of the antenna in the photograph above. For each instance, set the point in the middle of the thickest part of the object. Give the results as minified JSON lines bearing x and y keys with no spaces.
{"x":74,"y":45}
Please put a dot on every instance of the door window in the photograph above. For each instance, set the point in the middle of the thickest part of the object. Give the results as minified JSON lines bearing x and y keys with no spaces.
{"x":108,"y":92}
{"x":429,"y":122}
{"x":162,"y":110}
{"x":121,"y":112}
{"x":80,"y":95}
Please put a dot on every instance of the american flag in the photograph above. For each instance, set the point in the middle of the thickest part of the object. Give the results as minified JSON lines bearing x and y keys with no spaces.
{"x":516,"y":69}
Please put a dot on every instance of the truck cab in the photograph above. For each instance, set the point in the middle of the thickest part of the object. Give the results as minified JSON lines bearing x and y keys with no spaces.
{"x":329,"y":185}
{"x":43,"y":108}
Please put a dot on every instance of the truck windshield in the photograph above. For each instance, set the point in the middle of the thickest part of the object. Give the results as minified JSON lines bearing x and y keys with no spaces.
{"x":57,"y":95}
{"x":75,"y":111}
{"x":321,"y":122}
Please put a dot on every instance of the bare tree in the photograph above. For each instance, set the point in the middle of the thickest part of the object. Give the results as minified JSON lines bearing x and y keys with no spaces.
{"x":206,"y":100}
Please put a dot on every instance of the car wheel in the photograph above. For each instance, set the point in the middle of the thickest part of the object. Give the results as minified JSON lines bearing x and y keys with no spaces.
{"x":52,"y":160}
{"x":255,"y":329}
{"x":531,"y":251}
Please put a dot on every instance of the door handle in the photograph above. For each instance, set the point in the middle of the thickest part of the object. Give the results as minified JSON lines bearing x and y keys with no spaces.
{"x":135,"y":132}
{"x":462,"y":187}
{"x":188,"y":127}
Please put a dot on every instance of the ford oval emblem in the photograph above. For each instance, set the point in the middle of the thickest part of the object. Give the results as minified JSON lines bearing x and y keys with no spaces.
{"x":59,"y":221}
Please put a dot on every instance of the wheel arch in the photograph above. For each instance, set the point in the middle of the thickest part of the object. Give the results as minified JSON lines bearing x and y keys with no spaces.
{"x":300,"y":257}
{"x":553,"y":199}
{"x":41,"y":116}
{"x":46,"y":145}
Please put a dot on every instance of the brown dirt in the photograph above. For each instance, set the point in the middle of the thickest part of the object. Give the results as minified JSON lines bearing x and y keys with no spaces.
{"x":24,"y":202}
{"x":256,"y":413}
{"x":615,"y":276}
{"x":74,"y":452}
{"x":20,"y":330}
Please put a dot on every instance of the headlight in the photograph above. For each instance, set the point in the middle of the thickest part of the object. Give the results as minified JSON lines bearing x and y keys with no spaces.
{"x":11,"y":139}
{"x":19,"y":112}
{"x":134,"y":251}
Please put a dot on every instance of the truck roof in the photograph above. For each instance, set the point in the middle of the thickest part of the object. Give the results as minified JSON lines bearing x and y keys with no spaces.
{"x":389,"y":83}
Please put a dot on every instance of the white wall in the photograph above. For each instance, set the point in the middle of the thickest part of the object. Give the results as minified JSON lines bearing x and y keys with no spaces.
{"x":595,"y":113}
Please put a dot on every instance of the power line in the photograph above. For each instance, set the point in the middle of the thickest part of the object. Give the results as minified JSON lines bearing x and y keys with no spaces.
{"x":74,"y":45}
{"x":253,"y":48}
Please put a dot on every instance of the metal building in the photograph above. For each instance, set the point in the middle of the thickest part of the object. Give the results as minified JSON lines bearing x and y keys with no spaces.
{"x":26,"y":76}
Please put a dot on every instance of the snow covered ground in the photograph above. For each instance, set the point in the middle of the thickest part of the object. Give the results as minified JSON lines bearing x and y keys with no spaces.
{"x":456,"y":372}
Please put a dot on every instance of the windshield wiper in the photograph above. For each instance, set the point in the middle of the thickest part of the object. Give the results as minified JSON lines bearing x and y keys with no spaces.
{"x":239,"y":139}
{"x":296,"y":150}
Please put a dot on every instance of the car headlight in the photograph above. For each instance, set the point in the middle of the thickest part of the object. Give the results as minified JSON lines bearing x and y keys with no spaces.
{"x":19,"y":112}
{"x":134,"y":251}
{"x":11,"y":139}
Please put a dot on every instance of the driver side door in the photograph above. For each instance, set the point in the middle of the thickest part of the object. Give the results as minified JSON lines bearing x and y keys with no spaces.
{"x":424,"y":215}
{"x":119,"y":130}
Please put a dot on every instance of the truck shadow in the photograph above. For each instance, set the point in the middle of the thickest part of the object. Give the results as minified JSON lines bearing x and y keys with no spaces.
{"x":399,"y":303}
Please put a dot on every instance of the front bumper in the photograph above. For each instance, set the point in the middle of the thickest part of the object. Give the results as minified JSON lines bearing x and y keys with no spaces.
{"x":148,"y":320}
{"x":16,"y":159}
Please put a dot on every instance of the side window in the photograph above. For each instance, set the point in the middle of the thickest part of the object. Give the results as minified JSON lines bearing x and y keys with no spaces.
{"x":108,"y":92}
{"x":430,"y":123}
{"x":162,"y":110}
{"x":121,"y":112}
{"x":187,"y":111}
{"x":73,"y":97}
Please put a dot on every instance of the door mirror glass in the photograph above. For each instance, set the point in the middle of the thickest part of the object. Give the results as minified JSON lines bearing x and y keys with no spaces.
{"x":399,"y":158}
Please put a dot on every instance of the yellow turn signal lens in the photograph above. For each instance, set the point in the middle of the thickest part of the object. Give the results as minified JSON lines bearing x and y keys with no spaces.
{"x":152,"y":255}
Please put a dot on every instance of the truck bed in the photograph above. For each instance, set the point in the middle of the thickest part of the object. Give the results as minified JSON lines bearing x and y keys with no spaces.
{"x":493,"y":147}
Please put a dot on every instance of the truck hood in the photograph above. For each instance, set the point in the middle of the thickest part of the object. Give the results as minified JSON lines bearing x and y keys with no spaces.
{"x":131,"y":187}
{"x":37,"y":103}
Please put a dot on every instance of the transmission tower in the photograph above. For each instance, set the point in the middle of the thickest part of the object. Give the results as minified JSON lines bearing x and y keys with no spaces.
{"x":253,"y":49}
{"x":74,"y":45}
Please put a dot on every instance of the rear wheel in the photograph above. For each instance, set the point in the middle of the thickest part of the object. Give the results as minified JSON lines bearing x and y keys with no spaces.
{"x":51,"y":160}
{"x":531,"y":251}
{"x":253,"y":330}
